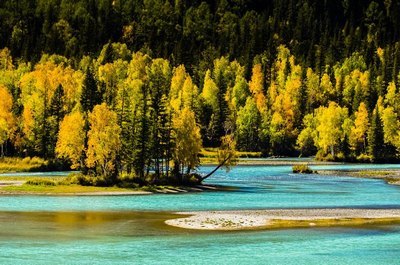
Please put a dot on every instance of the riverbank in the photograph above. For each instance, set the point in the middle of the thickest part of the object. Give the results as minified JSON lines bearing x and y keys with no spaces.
{"x":283,"y":218}
{"x":19,"y":187}
{"x":391,"y":176}
{"x":288,"y":161}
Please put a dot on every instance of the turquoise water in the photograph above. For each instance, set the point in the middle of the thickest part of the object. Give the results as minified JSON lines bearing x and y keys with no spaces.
{"x":130,"y":229}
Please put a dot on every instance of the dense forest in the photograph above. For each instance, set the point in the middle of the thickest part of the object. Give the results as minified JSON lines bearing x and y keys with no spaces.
{"x":130,"y":85}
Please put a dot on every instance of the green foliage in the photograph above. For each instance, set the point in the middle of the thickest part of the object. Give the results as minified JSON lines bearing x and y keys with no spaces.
{"x":40,"y":182}
{"x":85,"y":180}
{"x":376,"y":138}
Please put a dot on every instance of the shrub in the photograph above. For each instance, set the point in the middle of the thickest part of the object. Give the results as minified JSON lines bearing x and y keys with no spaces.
{"x":303,"y":169}
{"x":78,"y":179}
{"x":365,"y":158}
{"x":40,"y":182}
{"x":126,"y":180}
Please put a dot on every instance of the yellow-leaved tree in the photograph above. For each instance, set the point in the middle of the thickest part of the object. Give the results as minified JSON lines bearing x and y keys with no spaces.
{"x":187,"y":141}
{"x":103,"y":141}
{"x":70,"y":143}
{"x":330,"y":127}
{"x":358,"y":134}
{"x":6,"y":117}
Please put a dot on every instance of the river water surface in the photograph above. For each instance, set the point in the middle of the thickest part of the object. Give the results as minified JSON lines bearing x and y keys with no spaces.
{"x":131,"y":229}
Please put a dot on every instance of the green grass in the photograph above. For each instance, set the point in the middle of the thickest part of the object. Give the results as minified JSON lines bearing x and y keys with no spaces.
{"x":375,"y":173}
{"x":74,"y":183}
{"x":41,"y":182}
{"x":60,"y":189}
{"x":26,"y":178}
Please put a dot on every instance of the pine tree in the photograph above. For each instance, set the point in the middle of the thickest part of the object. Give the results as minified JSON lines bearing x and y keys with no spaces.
{"x":56,"y":114}
{"x":375,"y":137}
{"x":90,"y":94}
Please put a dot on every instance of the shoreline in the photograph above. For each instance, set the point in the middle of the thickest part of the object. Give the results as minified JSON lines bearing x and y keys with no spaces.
{"x":282,"y":218}
{"x":112,"y":192}
{"x":390,"y":176}
{"x":290,"y":161}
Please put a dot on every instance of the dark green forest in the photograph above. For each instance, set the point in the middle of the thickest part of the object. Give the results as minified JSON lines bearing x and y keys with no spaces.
{"x":118,"y":85}
{"x":194,"y":33}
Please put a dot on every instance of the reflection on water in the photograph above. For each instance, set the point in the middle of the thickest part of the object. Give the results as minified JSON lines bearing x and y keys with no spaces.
{"x":83,"y":225}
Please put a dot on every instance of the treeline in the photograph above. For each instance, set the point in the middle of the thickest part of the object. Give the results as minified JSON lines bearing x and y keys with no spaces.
{"x":122,"y":112}
{"x":141,"y":86}
{"x":194,"y":33}
{"x":126,"y":110}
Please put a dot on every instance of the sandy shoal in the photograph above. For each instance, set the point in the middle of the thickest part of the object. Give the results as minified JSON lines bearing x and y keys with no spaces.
{"x":256,"y":219}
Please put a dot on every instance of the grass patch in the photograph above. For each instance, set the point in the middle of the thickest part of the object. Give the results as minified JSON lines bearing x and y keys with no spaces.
{"x":60,"y":189}
{"x":40,"y":182}
{"x":302,"y":169}
{"x":16,"y":164}
{"x":373,"y":173}
{"x":26,"y":178}
{"x":30,"y":164}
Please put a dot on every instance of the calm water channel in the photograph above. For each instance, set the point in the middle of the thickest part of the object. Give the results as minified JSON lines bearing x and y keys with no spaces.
{"x":131,"y":230}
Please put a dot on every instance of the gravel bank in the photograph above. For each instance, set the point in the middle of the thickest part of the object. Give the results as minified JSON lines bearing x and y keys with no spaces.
{"x":253,"y":219}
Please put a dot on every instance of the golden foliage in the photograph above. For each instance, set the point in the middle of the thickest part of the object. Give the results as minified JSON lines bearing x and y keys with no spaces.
{"x":187,"y":139}
{"x":103,"y":139}
{"x":71,"y":137}
{"x":6,"y":117}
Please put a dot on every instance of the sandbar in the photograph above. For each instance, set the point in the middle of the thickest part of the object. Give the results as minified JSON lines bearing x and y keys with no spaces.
{"x":283,"y":218}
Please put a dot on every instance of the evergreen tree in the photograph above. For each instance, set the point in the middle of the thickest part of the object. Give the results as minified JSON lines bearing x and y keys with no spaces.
{"x":376,"y":143}
{"x":90,"y":93}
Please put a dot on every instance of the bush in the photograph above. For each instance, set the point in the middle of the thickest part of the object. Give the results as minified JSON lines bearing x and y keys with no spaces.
{"x":126,"y":180}
{"x":40,"y":182}
{"x":303,"y":169}
{"x":365,"y":158}
{"x":80,"y":179}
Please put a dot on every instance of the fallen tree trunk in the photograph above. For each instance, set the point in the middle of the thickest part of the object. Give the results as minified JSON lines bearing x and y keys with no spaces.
{"x":215,"y":169}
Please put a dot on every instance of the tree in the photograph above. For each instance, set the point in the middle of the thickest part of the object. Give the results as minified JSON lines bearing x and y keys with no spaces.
{"x":227,"y":156}
{"x":306,"y":138}
{"x":358,"y":134}
{"x":247,"y":126}
{"x":391,"y":127}
{"x":330,"y":129}
{"x":159,"y":76}
{"x":6,"y":117}
{"x":90,"y":95}
{"x":187,"y":141}
{"x":210,"y":95}
{"x":376,"y":143}
{"x":103,"y":141}
{"x":70,"y":143}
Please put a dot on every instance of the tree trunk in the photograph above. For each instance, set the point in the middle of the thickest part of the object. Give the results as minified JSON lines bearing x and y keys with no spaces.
{"x":215,"y":169}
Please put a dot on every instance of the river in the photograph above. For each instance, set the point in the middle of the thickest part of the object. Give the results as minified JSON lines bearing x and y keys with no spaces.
{"x":131,"y":229}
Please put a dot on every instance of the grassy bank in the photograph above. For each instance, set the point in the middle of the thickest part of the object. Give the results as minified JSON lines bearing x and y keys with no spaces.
{"x":78,"y":184}
{"x":59,"y":189}
{"x":29,"y":164}
{"x":391,"y":176}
